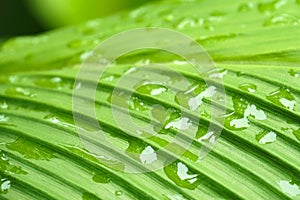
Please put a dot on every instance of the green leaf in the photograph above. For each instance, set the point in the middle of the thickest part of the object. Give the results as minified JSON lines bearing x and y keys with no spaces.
{"x":256,"y":48}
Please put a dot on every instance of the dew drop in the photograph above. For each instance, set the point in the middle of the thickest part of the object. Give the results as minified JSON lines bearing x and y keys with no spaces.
{"x":282,"y":19}
{"x":59,"y":121}
{"x":53,"y":83}
{"x":5,"y":185}
{"x":217,"y":73}
{"x":180,"y":124}
{"x":293,"y":73}
{"x":248,"y":87}
{"x":3,"y":105}
{"x":182,"y":176}
{"x":101,"y":177}
{"x":283,"y":97}
{"x":245,"y":7}
{"x":271,"y":6}
{"x":266,"y":137}
{"x":297,"y":133}
{"x":118,"y":193}
{"x":148,"y":155}
{"x":151,"y":89}
{"x":289,"y":187}
{"x":19,"y":91}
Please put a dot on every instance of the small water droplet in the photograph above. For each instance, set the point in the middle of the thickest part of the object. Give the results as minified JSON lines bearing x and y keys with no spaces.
{"x":271,"y":6}
{"x":150,"y":88}
{"x":293,"y":73}
{"x":75,"y":44}
{"x":118,"y":193}
{"x":239,"y":74}
{"x":60,"y":121}
{"x":282,"y":19}
{"x":248,"y":87}
{"x":266,"y":137}
{"x":137,"y":104}
{"x":19,"y":91}
{"x":7,"y":167}
{"x":297,"y":133}
{"x":283,"y":97}
{"x":245,"y":7}
{"x":217,"y":38}
{"x":182,"y":176}
{"x":217,"y":73}
{"x":5,"y":185}
{"x":101,"y":177}
{"x":289,"y":187}
{"x":3,"y":105}
{"x":53,"y":83}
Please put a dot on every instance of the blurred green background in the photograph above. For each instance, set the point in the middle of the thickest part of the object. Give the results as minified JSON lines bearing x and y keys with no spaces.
{"x":25,"y":17}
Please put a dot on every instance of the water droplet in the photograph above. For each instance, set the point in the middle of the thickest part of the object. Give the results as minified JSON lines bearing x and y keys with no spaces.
{"x":4,"y":120}
{"x":271,"y":6}
{"x":20,"y":92}
{"x":297,"y":133}
{"x":118,"y":193}
{"x":59,"y":120}
{"x":180,"y":124}
{"x":101,"y":177}
{"x":283,"y":97}
{"x":249,"y":87}
{"x":7,"y":167}
{"x":193,"y":98}
{"x":5,"y":185}
{"x":239,"y":74}
{"x":218,"y":38}
{"x":266,"y":137}
{"x":3,"y":105}
{"x":182,"y":176}
{"x":188,"y":22}
{"x":110,"y":78}
{"x":85,"y":55}
{"x":53,"y":83}
{"x":150,"y":88}
{"x":75,"y":44}
{"x":293,"y":73}
{"x":239,"y":119}
{"x":30,"y":150}
{"x":289,"y":187}
{"x":137,"y":104}
{"x":245,"y":7}
{"x":148,"y":155}
{"x":282,"y":19}
{"x":176,"y":197}
{"x":217,"y":73}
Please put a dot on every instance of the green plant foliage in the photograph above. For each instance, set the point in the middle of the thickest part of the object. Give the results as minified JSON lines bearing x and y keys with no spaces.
{"x":256,"y":47}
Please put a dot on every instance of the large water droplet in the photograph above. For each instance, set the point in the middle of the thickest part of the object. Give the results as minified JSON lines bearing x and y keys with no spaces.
{"x":266,"y":137}
{"x":148,"y":155}
{"x":5,"y":185}
{"x":283,"y":97}
{"x":182,"y":176}
{"x":180,"y":124}
{"x":289,"y":187}
{"x":30,"y":150}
